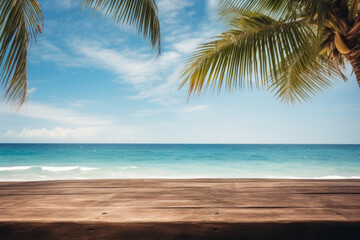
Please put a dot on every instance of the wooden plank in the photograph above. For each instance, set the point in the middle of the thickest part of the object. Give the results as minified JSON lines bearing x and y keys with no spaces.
{"x":177,"y":201}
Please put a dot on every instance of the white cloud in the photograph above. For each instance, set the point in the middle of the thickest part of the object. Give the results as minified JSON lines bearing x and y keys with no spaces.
{"x":183,"y":110}
{"x":132,"y":66}
{"x":212,"y":4}
{"x":154,"y":80}
{"x":32,"y":90}
{"x":150,"y":77}
{"x":47,"y":51}
{"x":212,"y":9}
{"x":167,"y":6}
{"x":56,"y":133}
{"x":56,"y":114}
{"x":171,"y":11}
{"x":83,"y":134}
{"x":78,"y":103}
{"x":190,"y":109}
{"x":188,"y":45}
{"x":82,"y":102}
{"x":147,"y":112}
{"x":66,"y":4}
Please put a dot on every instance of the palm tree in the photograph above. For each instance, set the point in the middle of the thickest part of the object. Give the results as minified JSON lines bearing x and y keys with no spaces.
{"x":293,"y":48}
{"x":21,"y":21}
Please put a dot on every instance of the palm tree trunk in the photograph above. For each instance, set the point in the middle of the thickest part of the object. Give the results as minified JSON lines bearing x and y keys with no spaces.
{"x":355,"y":63}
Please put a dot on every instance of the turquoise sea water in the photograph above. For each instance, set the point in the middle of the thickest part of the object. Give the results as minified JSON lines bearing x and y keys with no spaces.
{"x":28,"y":162}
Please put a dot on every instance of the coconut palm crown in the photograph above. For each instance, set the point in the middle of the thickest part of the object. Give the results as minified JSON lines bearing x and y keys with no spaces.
{"x":293,"y":48}
{"x":21,"y":21}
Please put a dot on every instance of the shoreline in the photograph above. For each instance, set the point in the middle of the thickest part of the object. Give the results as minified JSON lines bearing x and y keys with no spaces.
{"x":171,"y":207}
{"x":325,"y":178}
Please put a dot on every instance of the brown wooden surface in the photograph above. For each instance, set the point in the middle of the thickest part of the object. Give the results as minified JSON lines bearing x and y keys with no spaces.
{"x":224,"y":202}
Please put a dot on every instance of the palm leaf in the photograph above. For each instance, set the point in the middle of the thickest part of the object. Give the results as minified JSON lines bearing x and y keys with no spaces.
{"x":306,"y":73}
{"x":313,"y":11}
{"x":248,"y":54}
{"x":143,"y":14}
{"x":20,"y":22}
{"x":274,"y":8}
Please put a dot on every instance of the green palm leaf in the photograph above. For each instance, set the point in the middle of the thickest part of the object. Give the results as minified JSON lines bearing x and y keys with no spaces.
{"x":142,"y":14}
{"x":274,"y":8}
{"x":305,"y":74}
{"x":314,"y":11}
{"x":249,"y":54}
{"x":20,"y":22}
{"x":288,"y":47}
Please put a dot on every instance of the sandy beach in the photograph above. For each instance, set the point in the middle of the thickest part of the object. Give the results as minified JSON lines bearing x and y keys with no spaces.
{"x":180,"y":209}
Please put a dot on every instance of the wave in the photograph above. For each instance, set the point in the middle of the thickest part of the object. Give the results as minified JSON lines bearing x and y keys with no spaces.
{"x":62,"y":169}
{"x":47,"y":168}
{"x":88,"y":168}
{"x":15,"y":168}
{"x":58,"y":169}
{"x":322,"y":177}
{"x":126,"y":167}
{"x":338,"y":177}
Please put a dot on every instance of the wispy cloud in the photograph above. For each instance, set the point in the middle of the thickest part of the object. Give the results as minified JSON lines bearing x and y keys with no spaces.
{"x":81,"y":103}
{"x":56,"y":133}
{"x":170,"y":9}
{"x":188,"y":45}
{"x":67,"y":3}
{"x":55,"y":114}
{"x":148,"y":112}
{"x":48,"y":51}
{"x":32,"y":90}
{"x":131,"y":66}
{"x":173,"y":5}
{"x":190,"y":109}
{"x":213,"y":4}
{"x":175,"y":110}
{"x":82,"y":134}
{"x":63,"y":4}
{"x":151,"y":80}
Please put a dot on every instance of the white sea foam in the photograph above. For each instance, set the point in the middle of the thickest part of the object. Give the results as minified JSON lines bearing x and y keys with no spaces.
{"x":323,"y":177}
{"x":15,"y":168}
{"x":126,"y":167}
{"x":69,"y":168}
{"x":58,"y":169}
{"x":338,"y":177}
{"x":88,"y":169}
{"x":123,"y":167}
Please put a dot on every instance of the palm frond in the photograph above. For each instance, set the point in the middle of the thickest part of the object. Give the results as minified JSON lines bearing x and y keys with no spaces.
{"x":143,"y":14}
{"x":309,"y":10}
{"x":20,"y":22}
{"x":248,"y":54}
{"x":273,"y":8}
{"x":306,"y":73}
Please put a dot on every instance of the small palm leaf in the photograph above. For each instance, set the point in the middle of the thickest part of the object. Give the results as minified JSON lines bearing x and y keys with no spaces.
{"x":20,"y":22}
{"x":306,"y":73}
{"x":143,"y":14}
{"x":273,"y":8}
{"x":312,"y":11}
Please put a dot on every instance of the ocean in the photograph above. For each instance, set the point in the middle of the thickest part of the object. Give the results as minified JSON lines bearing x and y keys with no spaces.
{"x":34,"y":162}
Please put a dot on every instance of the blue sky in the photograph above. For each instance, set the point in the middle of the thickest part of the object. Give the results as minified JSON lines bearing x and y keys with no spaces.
{"x":91,"y":80}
